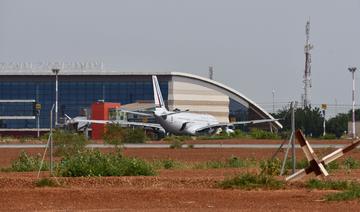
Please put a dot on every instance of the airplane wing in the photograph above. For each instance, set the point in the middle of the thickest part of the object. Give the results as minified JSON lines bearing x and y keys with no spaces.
{"x":136,"y":113}
{"x":141,"y":124}
{"x":259,"y":121}
{"x":219,"y":125}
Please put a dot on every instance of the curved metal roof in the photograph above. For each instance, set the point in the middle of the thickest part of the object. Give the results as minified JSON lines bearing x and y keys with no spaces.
{"x":228,"y":89}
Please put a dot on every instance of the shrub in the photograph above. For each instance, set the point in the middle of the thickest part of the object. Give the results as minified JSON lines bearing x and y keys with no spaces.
{"x":328,"y":136}
{"x":232,"y":162}
{"x":239,"y":134}
{"x":136,"y":135}
{"x":235,"y":162}
{"x":332,"y":185}
{"x":261,"y":134}
{"x":67,"y":143}
{"x":332,"y":166}
{"x":350,"y":194}
{"x":94,"y":163}
{"x":176,"y":144}
{"x":270,"y":167}
{"x":351,"y":163}
{"x":27,"y":163}
{"x":300,"y":164}
{"x":177,"y":138}
{"x":251,"y":181}
{"x":46,"y":182}
{"x":114,"y":134}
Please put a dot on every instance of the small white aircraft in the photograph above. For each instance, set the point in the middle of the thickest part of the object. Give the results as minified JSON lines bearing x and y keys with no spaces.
{"x":177,"y":122}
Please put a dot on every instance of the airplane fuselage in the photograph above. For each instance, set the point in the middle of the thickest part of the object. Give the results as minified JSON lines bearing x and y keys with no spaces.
{"x":185,"y":122}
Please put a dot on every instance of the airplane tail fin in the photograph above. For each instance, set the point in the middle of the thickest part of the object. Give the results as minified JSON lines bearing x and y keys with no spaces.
{"x":159,"y":101}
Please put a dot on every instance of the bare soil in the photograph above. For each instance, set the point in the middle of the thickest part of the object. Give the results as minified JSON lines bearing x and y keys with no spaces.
{"x":170,"y":190}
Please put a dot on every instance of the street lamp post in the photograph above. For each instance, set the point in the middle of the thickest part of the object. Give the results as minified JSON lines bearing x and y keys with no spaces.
{"x":352,"y":70}
{"x":56,"y":72}
{"x":273,"y":100}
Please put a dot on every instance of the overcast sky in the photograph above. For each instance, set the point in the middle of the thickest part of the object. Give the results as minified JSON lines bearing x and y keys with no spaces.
{"x":255,"y":46}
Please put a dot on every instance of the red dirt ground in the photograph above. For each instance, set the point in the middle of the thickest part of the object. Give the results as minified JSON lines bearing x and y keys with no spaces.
{"x":171,"y":190}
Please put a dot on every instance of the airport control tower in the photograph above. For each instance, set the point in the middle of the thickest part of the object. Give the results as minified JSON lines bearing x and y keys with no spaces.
{"x":307,"y":80}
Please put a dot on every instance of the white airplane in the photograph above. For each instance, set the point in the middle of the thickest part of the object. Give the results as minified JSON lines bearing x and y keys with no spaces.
{"x":177,"y":122}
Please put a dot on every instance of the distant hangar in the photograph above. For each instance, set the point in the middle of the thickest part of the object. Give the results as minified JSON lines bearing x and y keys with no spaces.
{"x":79,"y":89}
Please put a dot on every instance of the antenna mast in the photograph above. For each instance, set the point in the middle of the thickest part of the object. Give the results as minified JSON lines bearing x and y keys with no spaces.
{"x":307,"y":72}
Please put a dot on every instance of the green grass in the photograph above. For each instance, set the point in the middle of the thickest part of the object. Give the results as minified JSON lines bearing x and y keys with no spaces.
{"x":350,"y":194}
{"x":27,"y":163}
{"x":329,"y":185}
{"x":349,"y":190}
{"x":46,"y":182}
{"x":232,"y":162}
{"x":169,"y":164}
{"x":95,"y":163}
{"x":251,"y":181}
{"x":351,"y":163}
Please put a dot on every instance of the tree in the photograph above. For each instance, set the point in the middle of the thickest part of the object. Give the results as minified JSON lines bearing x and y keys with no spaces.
{"x":308,"y":119}
{"x":338,"y":124}
{"x":357,"y":114}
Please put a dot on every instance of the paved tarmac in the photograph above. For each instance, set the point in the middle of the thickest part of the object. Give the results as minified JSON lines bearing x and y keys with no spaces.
{"x":162,"y":146}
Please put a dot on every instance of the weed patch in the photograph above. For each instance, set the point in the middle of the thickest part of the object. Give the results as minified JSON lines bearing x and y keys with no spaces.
{"x":46,"y":182}
{"x":67,"y":143}
{"x":94,"y":163}
{"x":251,"y":181}
{"x":329,"y":185}
{"x":352,"y":193}
{"x":27,"y":163}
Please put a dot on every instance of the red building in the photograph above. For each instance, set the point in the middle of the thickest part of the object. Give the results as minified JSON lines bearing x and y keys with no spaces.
{"x":100,"y":111}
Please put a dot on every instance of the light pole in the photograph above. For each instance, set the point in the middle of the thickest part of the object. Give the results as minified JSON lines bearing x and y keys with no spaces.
{"x":56,"y":72}
{"x":273,"y":100}
{"x":352,"y":70}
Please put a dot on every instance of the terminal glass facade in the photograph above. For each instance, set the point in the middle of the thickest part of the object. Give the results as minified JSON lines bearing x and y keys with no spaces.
{"x":74,"y":97}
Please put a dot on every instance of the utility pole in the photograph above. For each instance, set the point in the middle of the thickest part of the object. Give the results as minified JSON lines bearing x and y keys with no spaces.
{"x":293,"y":136}
{"x":293,"y":106}
{"x":56,"y":72}
{"x":324,"y":107}
{"x":307,"y":72}
{"x":352,"y":70}
{"x":273,"y":100}
{"x":211,"y":72}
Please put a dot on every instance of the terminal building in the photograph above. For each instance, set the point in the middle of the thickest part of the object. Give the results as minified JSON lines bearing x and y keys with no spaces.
{"x":78,"y":90}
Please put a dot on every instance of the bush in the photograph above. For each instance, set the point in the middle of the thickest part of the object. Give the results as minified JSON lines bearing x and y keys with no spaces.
{"x":328,"y":136}
{"x":177,"y":138}
{"x":332,"y":166}
{"x":67,"y":143}
{"x":27,"y":163}
{"x":331,"y":185}
{"x":94,"y":163}
{"x":134,"y":135}
{"x":251,"y":181}
{"x":261,"y":134}
{"x":114,"y":134}
{"x":235,"y":162}
{"x":46,"y":182}
{"x":270,"y":167}
{"x":232,"y":162}
{"x":176,"y":144}
{"x":351,"y":163}
{"x":352,"y":193}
